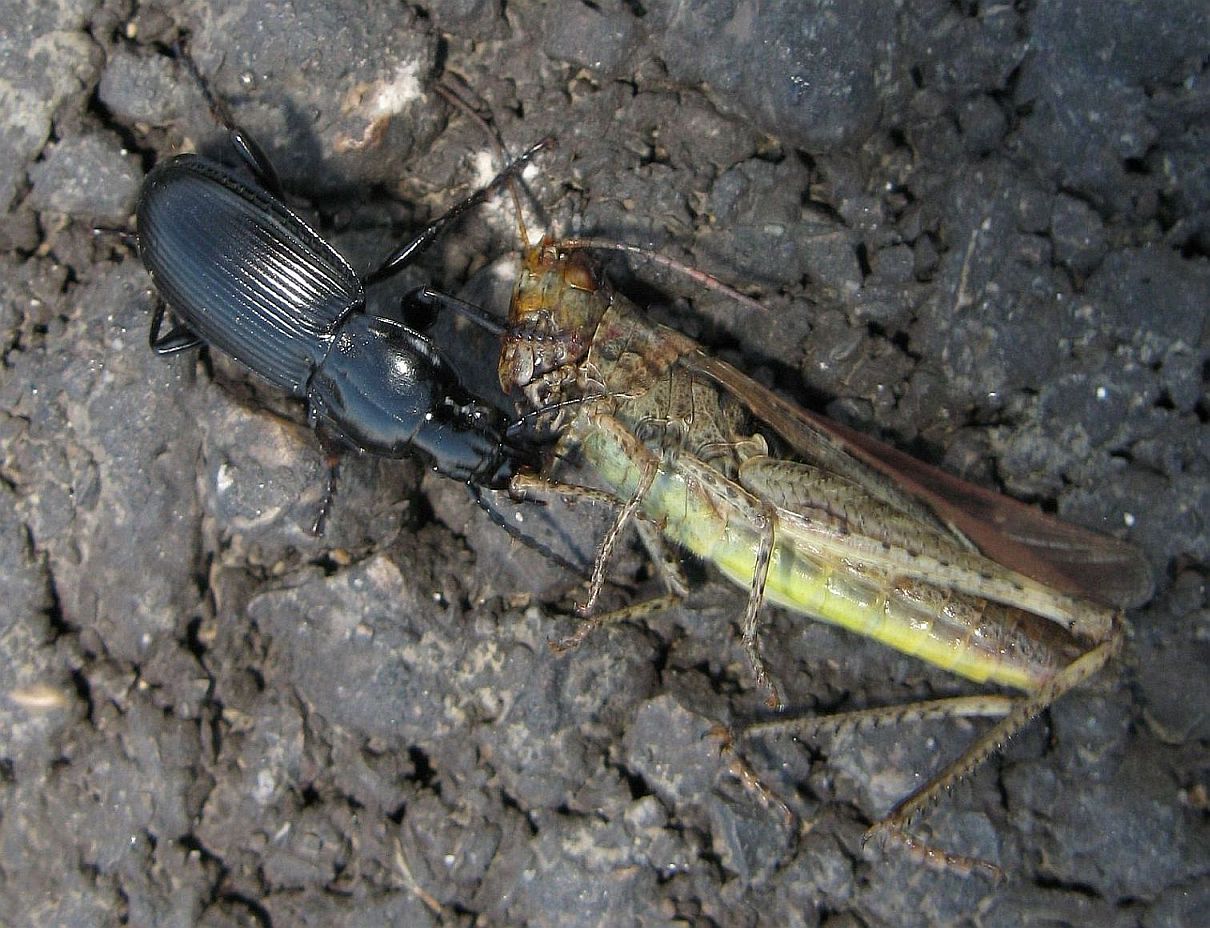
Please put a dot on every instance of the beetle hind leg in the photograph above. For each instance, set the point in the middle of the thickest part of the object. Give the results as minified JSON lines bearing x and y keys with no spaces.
{"x":179,"y":338}
{"x":250,"y":153}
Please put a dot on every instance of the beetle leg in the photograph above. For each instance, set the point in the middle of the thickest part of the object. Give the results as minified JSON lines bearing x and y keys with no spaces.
{"x":180,"y":338}
{"x":402,"y":256}
{"x":430,"y":300}
{"x":125,"y":236}
{"x":332,"y":453}
{"x":245,"y":146}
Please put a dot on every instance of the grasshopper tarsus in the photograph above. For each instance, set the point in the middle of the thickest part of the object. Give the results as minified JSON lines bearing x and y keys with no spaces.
{"x":761,"y":676}
{"x":590,"y":624}
{"x":746,"y":775}
{"x":560,"y":646}
{"x":570,"y":642}
{"x":883,"y":835}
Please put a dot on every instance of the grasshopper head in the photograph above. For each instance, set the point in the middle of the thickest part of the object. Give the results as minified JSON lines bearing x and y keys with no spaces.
{"x":557,"y":302}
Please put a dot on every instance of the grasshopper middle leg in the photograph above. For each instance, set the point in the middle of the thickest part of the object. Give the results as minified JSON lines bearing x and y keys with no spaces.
{"x":674,"y":580}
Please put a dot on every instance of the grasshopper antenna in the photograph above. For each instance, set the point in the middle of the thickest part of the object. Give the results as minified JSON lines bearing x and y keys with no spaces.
{"x":709,"y":281}
{"x":451,"y":96}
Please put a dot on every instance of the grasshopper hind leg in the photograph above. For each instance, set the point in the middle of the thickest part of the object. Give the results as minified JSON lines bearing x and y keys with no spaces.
{"x":750,"y":632}
{"x":1013,"y":714}
{"x":893,"y":829}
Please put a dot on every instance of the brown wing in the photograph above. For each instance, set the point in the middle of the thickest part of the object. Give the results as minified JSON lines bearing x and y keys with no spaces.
{"x":1068,"y":558}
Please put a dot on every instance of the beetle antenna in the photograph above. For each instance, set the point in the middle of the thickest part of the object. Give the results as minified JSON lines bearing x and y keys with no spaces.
{"x":246,"y":147}
{"x":218,"y":109}
{"x":405,"y":253}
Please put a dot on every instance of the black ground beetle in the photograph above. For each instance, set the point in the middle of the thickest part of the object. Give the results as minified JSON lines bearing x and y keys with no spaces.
{"x":245,"y":275}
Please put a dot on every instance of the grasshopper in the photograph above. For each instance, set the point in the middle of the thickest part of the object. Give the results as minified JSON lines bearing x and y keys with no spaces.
{"x":839,"y":527}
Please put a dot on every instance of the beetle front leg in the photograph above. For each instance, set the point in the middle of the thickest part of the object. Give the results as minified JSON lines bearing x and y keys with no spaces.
{"x":402,"y":256}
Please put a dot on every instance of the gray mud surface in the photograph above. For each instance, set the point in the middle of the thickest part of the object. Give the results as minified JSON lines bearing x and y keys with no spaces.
{"x":981,"y":231}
